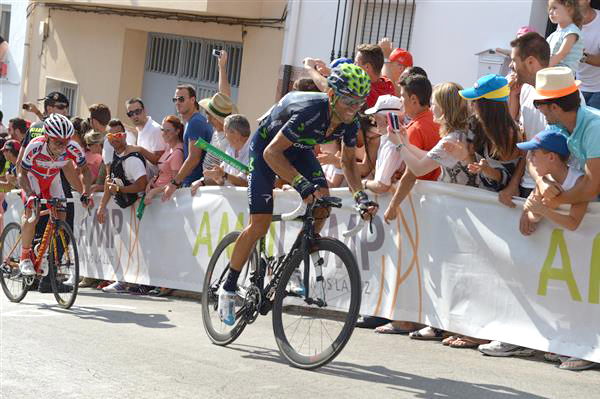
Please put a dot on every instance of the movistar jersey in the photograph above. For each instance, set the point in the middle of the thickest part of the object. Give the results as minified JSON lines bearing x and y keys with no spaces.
{"x":303,"y":118}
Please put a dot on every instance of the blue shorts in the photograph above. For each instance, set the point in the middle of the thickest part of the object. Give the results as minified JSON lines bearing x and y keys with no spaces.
{"x":262,"y":177}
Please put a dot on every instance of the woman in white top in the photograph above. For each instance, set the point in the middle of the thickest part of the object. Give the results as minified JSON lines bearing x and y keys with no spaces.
{"x":450,"y":110}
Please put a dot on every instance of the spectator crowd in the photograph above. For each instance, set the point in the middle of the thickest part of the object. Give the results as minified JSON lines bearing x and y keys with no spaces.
{"x":533,"y":134}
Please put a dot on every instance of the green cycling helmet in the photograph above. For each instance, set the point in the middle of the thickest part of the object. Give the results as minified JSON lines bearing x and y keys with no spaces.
{"x":349,"y":79}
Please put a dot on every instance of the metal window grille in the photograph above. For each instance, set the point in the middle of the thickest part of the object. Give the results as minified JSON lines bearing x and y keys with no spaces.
{"x":69,"y":89}
{"x":5,"y":22}
{"x":368,"y":21}
{"x":191,"y":60}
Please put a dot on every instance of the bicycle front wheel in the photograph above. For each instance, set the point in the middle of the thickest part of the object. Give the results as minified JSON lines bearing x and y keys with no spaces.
{"x":216,"y":273}
{"x":312,"y":335}
{"x":13,"y":284}
{"x":63,"y":261}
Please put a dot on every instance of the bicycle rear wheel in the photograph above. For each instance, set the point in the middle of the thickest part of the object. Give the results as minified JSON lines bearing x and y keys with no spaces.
{"x":310,"y":336}
{"x":216,"y":273}
{"x":63,"y":262}
{"x":13,"y":283}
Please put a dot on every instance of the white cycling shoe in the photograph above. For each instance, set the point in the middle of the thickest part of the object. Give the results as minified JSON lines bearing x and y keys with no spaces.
{"x":26,"y":267}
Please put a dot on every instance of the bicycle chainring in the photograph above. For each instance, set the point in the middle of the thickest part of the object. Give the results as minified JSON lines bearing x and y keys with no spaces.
{"x":252,"y":301}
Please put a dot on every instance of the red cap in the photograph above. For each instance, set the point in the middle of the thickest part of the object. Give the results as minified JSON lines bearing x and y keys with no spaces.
{"x":402,"y":56}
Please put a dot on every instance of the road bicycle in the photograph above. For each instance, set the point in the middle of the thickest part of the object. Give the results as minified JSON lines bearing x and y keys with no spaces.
{"x":54,"y":254}
{"x":314,"y":291}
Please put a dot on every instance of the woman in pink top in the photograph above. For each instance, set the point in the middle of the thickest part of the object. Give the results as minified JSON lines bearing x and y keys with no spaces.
{"x":170,"y":161}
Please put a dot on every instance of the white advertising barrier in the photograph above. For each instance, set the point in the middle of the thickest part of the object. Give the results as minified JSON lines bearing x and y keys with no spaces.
{"x":453,"y":259}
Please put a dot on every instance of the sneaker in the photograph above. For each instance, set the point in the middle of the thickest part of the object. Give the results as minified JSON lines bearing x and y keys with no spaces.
{"x":103,"y":283}
{"x":26,"y":267}
{"x":296,"y":285}
{"x":502,"y":349}
{"x":115,"y":287}
{"x":226,"y":307}
{"x":88,"y":282}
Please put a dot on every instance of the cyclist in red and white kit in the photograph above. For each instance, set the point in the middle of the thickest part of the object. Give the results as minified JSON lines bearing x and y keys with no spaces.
{"x":43,"y":159}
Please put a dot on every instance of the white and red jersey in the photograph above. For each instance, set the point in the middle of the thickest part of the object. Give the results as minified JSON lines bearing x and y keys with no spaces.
{"x":38,"y":160}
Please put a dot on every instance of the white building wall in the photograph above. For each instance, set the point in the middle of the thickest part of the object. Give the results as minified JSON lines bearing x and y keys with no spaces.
{"x":10,"y":88}
{"x":446,"y":34}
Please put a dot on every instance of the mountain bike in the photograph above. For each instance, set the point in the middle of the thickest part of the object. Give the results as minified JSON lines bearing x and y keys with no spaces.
{"x":55,"y":254}
{"x":314,"y":291}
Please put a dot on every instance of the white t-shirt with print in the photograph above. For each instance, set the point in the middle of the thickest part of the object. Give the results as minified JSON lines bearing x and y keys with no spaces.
{"x":452,"y":170}
{"x":589,"y":74}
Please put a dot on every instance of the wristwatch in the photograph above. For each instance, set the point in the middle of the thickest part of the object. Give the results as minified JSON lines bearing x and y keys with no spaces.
{"x":399,"y":146}
{"x":174,"y":182}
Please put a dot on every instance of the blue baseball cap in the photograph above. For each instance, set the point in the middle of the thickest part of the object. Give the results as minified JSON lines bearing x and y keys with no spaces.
{"x":550,"y":139}
{"x":493,"y":87}
{"x":339,"y":61}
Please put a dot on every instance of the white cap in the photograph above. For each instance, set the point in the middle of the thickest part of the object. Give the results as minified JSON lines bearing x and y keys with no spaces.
{"x":387,"y":103}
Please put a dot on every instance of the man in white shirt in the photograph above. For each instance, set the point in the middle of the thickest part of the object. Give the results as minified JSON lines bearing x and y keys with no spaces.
{"x":589,"y":67}
{"x":149,"y":134}
{"x":530,"y":53}
{"x":127,"y":179}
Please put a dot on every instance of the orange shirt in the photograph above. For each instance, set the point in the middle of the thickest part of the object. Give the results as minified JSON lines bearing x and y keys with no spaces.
{"x":423,"y":132}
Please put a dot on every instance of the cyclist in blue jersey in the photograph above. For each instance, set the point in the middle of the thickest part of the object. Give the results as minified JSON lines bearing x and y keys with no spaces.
{"x":283,"y":146}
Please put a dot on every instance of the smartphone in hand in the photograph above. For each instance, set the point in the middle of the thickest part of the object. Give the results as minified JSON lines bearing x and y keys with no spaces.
{"x":216,"y":53}
{"x":393,"y":121}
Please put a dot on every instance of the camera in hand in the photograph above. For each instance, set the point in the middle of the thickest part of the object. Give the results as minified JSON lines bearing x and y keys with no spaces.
{"x":393,"y":121}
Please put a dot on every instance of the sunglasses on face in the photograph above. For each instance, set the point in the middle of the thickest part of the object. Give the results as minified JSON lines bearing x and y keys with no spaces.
{"x":134,"y":112}
{"x":60,"y":106}
{"x":537,"y":104}
{"x":167,"y":130}
{"x":352,"y":102}
{"x":118,"y":135}
{"x":179,"y":99}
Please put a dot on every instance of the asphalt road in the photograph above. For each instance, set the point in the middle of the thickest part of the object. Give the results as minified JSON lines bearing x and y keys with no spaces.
{"x":124,"y":346}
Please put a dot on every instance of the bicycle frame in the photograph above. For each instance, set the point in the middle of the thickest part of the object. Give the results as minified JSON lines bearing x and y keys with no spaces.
{"x":48,"y":232}
{"x":303,"y":242}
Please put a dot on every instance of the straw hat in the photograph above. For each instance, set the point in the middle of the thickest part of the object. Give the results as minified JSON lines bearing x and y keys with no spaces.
{"x":554,"y":82}
{"x":219,"y":106}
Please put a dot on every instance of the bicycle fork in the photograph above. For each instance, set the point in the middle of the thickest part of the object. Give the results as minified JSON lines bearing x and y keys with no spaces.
{"x":318,"y":262}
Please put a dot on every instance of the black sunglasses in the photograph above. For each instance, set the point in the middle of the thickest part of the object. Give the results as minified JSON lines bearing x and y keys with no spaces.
{"x":537,"y":103}
{"x":179,"y":99}
{"x":134,"y":112}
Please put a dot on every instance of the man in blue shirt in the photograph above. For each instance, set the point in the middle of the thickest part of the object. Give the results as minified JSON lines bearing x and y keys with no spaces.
{"x":196,"y":126}
{"x":559,"y":100}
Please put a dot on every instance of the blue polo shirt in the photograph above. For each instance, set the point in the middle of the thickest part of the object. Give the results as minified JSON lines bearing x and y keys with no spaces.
{"x":584,"y":142}
{"x":197,"y":127}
